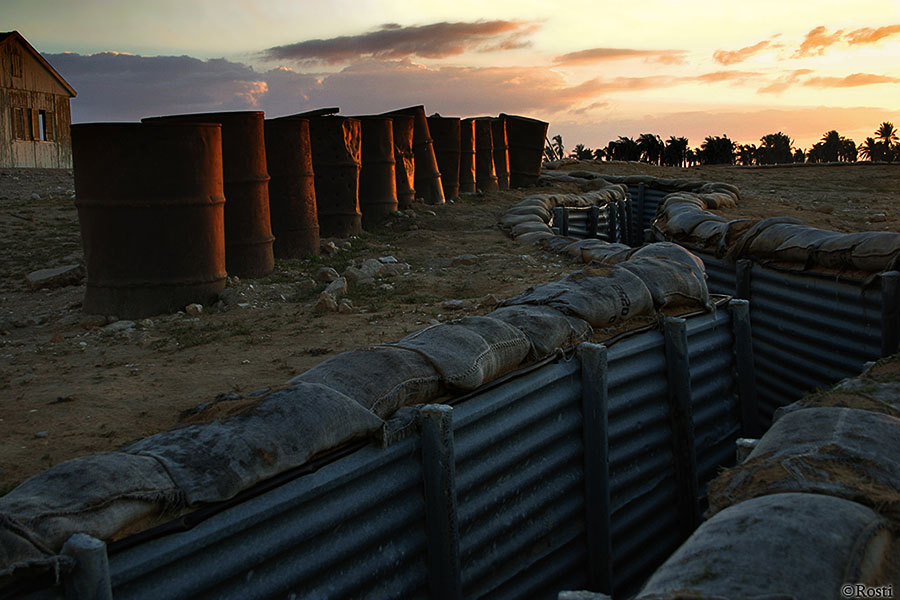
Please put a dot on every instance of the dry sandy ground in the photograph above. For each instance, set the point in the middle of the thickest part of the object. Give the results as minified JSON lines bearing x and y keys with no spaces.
{"x":71,"y":386}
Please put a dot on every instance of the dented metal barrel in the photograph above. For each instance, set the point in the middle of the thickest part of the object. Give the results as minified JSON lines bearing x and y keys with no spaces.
{"x":445,"y":133}
{"x":404,"y":162}
{"x":248,"y":226}
{"x":467,"y":156}
{"x":525,"y":137}
{"x":292,"y":189}
{"x":427,"y":175}
{"x":377,"y":177}
{"x":485,"y":175}
{"x":501,"y":154}
{"x":336,"y":154}
{"x":150,"y":205}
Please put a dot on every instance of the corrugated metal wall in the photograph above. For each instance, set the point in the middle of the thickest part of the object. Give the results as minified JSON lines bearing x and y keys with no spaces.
{"x":512,"y":493}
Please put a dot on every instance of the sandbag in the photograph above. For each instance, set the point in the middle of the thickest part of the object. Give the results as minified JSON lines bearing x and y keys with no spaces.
{"x":787,"y":545}
{"x":575,"y":249}
{"x":671,"y":283}
{"x":601,"y":295}
{"x":381,"y":379}
{"x":214,"y":461}
{"x":471,"y":351}
{"x":870,"y":251}
{"x":535,"y":237}
{"x":719,"y":200}
{"x":708,"y":233}
{"x":609,"y":254}
{"x":104,"y":495}
{"x":529,"y":227}
{"x":508,"y":221}
{"x":844,"y":452}
{"x":718,"y":187}
{"x":672,"y":251}
{"x":546,"y":328}
{"x":742,"y":245}
{"x":683,"y":223}
{"x":540,"y":210}
{"x":558,"y":243}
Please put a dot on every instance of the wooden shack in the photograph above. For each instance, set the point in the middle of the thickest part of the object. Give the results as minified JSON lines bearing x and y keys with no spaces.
{"x":35,"y":118}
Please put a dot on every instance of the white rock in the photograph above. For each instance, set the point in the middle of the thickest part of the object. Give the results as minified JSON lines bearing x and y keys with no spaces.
{"x":373,"y":267}
{"x":394,"y":270}
{"x":337,"y":288}
{"x":326,"y":274}
{"x":452,"y":304}
{"x":326,"y":303}
{"x":329,"y":248}
{"x":387,"y":259}
{"x":345,"y":306}
{"x":56,"y":277}
{"x":119,"y":326}
{"x":194,"y":310}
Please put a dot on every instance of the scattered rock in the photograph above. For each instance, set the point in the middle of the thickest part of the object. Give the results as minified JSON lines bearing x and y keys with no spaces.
{"x":395,"y":270}
{"x":328,"y":248}
{"x":878,"y":218}
{"x":354,"y":274}
{"x":146,"y":323}
{"x":346,"y":246}
{"x":372,"y":267}
{"x":345,"y":307}
{"x":452,"y":305}
{"x":229,"y":296}
{"x":365,"y":282}
{"x":410,"y":213}
{"x":489,"y":301}
{"x":337,"y":288}
{"x":386,"y":287}
{"x":40,"y":434}
{"x":326,"y":303}
{"x":326,"y":274}
{"x":57,"y":277}
{"x":400,"y":214}
{"x":194,"y":310}
{"x":825,"y":208}
{"x":430,"y":213}
{"x":529,"y":260}
{"x":35,"y":196}
{"x":387,"y":259}
{"x":119,"y":326}
{"x":306,"y":284}
{"x":93,"y":321}
{"x":464,"y":259}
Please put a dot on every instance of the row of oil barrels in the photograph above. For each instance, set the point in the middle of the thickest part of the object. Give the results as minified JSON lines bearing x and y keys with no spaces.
{"x":151,"y":196}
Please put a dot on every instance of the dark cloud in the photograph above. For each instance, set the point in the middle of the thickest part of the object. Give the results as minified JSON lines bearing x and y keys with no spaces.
{"x":595,"y":55}
{"x":869,"y":35}
{"x":392,"y":41}
{"x":817,"y":40}
{"x":854,"y":80}
{"x":730,"y":57}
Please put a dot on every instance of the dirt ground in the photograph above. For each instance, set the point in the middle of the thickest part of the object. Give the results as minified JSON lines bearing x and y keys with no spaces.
{"x":74,"y":384}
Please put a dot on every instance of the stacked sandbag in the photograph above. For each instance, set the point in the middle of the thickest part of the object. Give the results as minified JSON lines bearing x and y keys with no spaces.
{"x":780,"y":546}
{"x":546,"y":328}
{"x":115,"y":494}
{"x":683,"y":216}
{"x":844,"y":452}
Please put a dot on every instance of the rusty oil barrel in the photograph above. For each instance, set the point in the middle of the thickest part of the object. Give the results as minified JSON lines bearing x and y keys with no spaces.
{"x":336,"y":153}
{"x":445,"y":133}
{"x":467,"y":156}
{"x":248,"y":226}
{"x":526,"y":149}
{"x":427,"y":175}
{"x":150,"y":205}
{"x":404,"y":162}
{"x":292,"y":189}
{"x":377,"y":177}
{"x":501,"y":153}
{"x":485,"y":175}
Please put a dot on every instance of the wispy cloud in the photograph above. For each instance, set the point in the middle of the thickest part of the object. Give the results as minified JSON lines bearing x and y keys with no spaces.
{"x":393,"y":41}
{"x":869,"y":35}
{"x":595,"y":55}
{"x":784,"y":82}
{"x":854,"y":80}
{"x":730,"y":57}
{"x":817,"y":40}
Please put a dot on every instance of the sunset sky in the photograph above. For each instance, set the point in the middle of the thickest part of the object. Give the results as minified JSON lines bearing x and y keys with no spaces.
{"x":594,"y":69}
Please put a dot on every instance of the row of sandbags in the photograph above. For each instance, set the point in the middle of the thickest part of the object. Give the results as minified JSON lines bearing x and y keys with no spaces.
{"x":347,"y":397}
{"x":814,"y":507}
{"x":684,"y":217}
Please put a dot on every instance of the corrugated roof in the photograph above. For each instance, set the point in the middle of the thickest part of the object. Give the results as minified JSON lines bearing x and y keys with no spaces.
{"x":8,"y":36}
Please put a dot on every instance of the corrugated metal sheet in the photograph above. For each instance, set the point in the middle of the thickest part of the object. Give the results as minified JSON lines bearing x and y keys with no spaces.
{"x":354,"y":528}
{"x":721,"y":275}
{"x":645,"y":520}
{"x":520,"y":484}
{"x":809,"y":332}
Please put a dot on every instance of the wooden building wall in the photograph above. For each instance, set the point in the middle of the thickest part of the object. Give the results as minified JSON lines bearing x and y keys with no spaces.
{"x":35,"y":117}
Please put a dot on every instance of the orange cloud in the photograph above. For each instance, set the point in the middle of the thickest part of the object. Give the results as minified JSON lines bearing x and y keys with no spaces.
{"x":817,"y":40}
{"x":868,"y":35}
{"x":718,"y":76}
{"x":727,"y":57}
{"x":393,"y":41}
{"x":855,"y":80}
{"x":784,"y":82}
{"x":594,"y":55}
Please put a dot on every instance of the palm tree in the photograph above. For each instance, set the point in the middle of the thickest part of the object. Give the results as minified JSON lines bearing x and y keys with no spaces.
{"x":849,"y":152}
{"x":872,"y":150}
{"x":675,"y":152}
{"x":747,"y":153}
{"x":599,"y":154}
{"x":775,"y":148}
{"x":625,"y":148}
{"x":557,"y":144}
{"x":799,"y":155}
{"x":717,"y":150}
{"x":831,"y":146}
{"x":582,"y":152}
{"x":887,"y":135}
{"x":651,"y":147}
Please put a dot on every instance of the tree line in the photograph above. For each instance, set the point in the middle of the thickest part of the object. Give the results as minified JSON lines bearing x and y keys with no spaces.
{"x":774,"y":148}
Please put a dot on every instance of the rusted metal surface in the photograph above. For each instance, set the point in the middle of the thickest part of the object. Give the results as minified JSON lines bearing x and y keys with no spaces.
{"x":248,"y":227}
{"x":467,"y":156}
{"x":150,"y":204}
{"x":501,"y":153}
{"x":292,"y":189}
{"x":336,"y":154}
{"x":427,"y":176}
{"x":404,"y":162}
{"x":377,"y":178}
{"x":485,"y":175}
{"x":525,"y":137}
{"x":445,"y":132}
